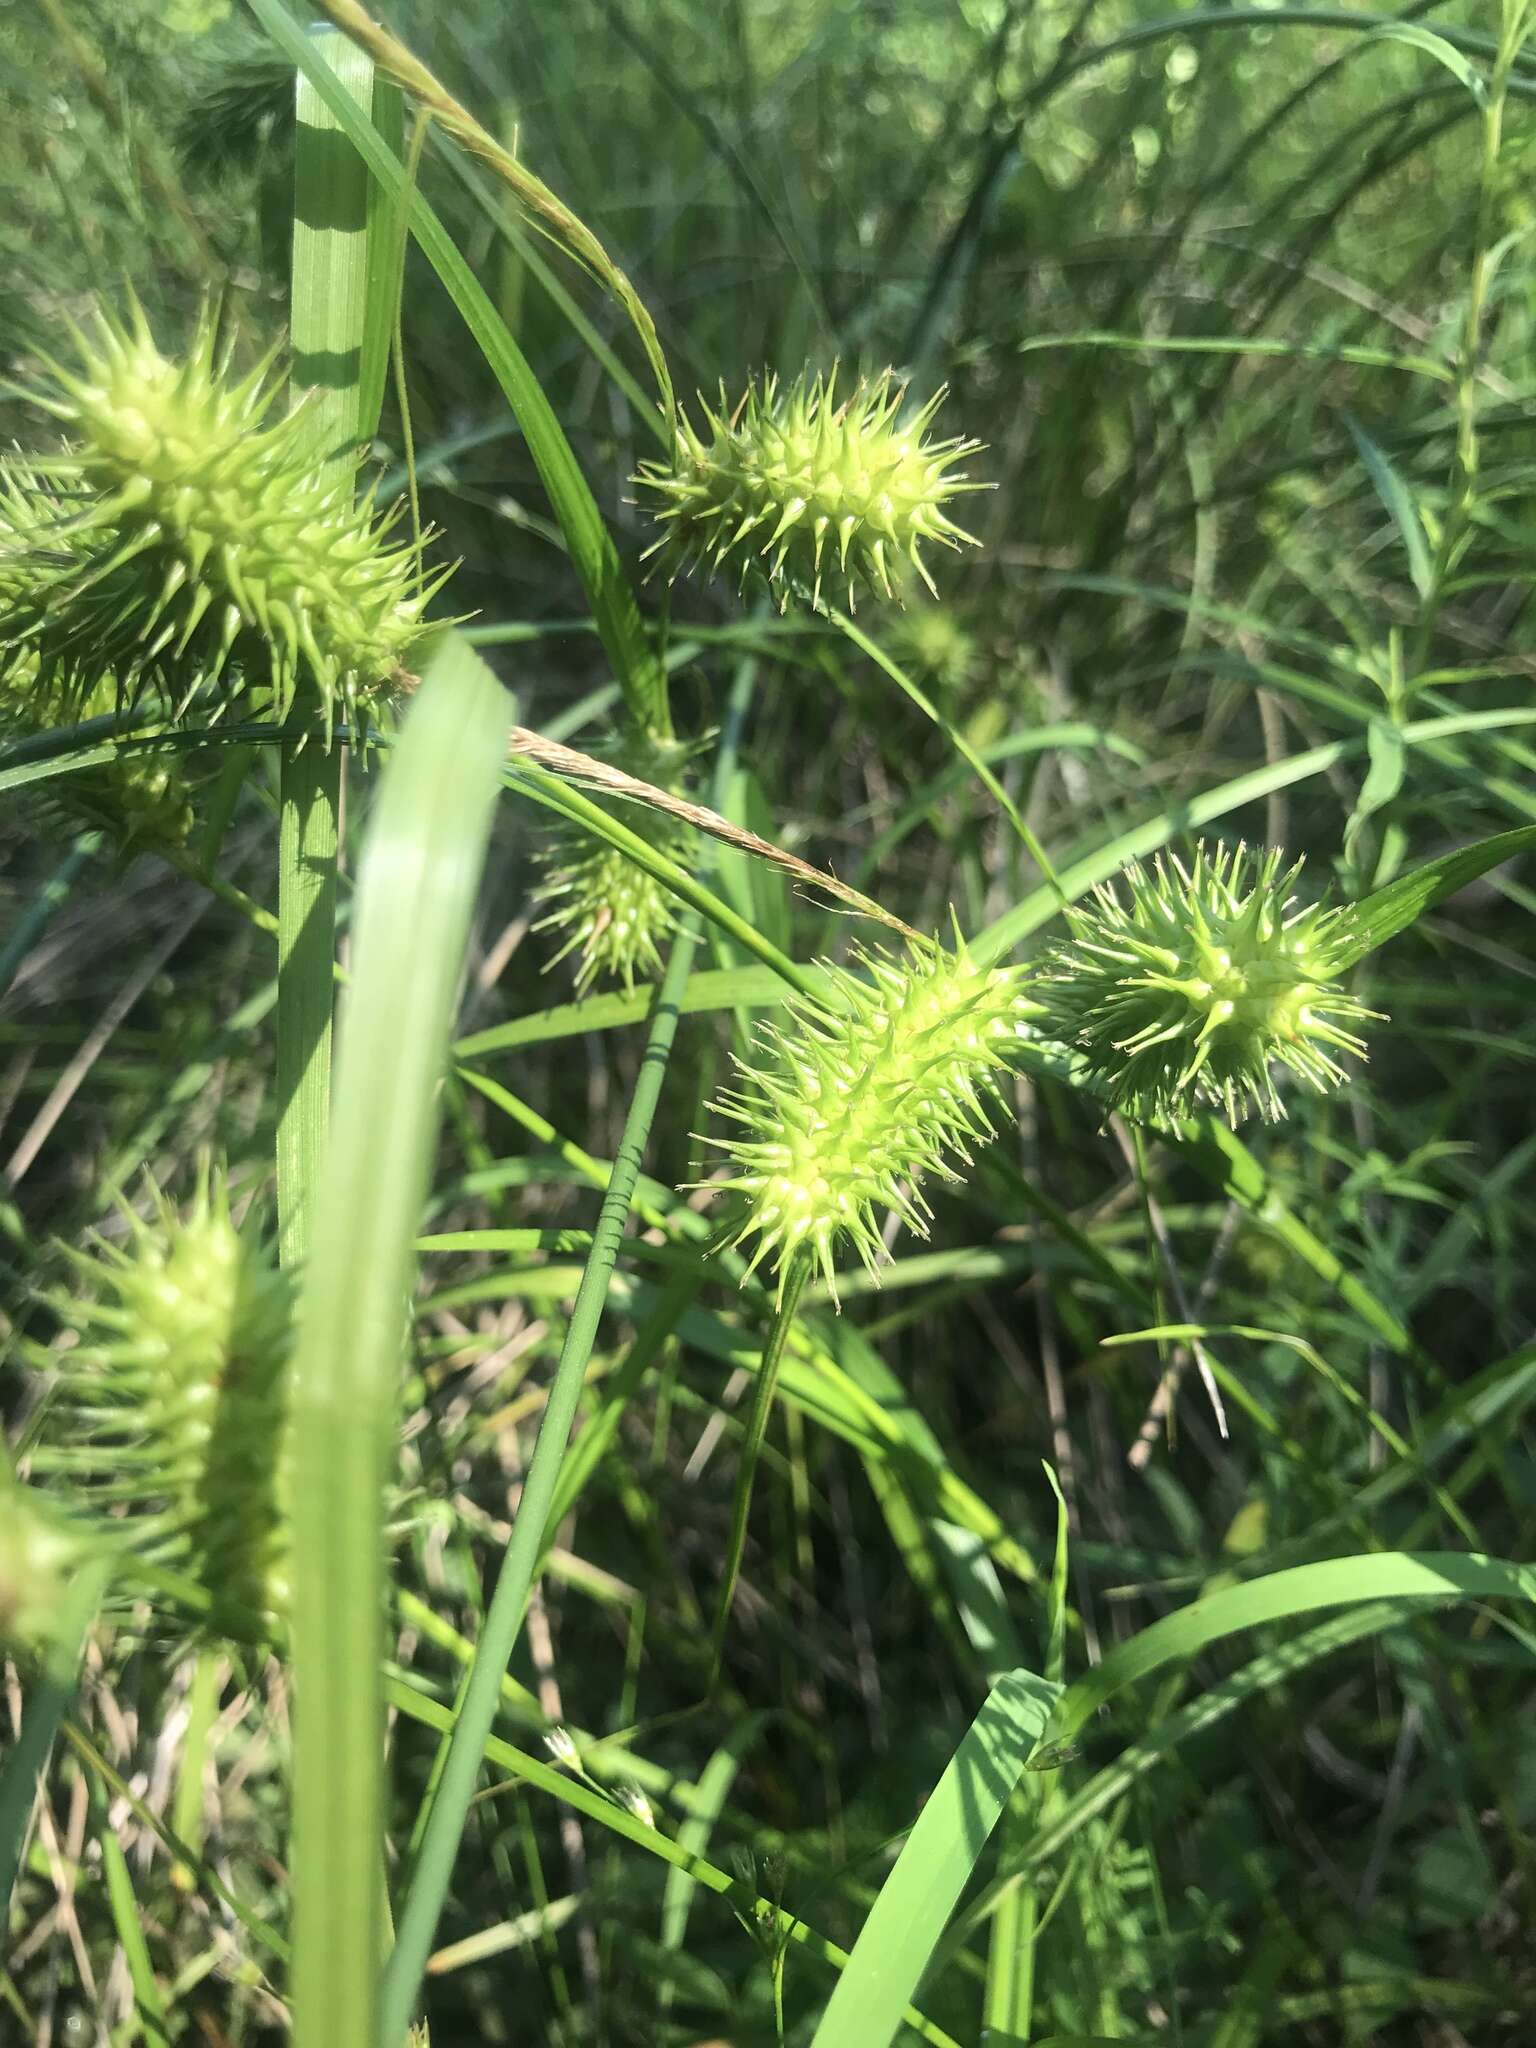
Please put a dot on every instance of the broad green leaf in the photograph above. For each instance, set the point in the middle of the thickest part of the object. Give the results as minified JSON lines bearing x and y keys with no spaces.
{"x":915,"y":1902}
{"x":420,"y":869}
{"x":1391,"y":910}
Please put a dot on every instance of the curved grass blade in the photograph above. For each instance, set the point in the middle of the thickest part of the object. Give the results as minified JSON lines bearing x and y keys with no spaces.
{"x":1337,"y":1582}
{"x":916,"y":1900}
{"x":1261,"y":1674}
{"x":1391,"y":910}
{"x":540,"y":206}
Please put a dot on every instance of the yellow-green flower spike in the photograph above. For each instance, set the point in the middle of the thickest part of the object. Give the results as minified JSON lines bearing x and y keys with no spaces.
{"x":861,"y":1096}
{"x":194,"y":542}
{"x":1189,"y":985}
{"x":141,"y":797}
{"x":808,"y":490}
{"x":174,"y":1400}
{"x":611,"y":914}
{"x":39,"y":1551}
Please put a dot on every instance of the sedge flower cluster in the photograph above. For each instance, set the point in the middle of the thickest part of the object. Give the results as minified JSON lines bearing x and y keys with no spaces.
{"x":172,"y":1407}
{"x":195,"y":547}
{"x":804,"y":488}
{"x":611,"y":915}
{"x":1184,"y":985}
{"x":862,"y":1096}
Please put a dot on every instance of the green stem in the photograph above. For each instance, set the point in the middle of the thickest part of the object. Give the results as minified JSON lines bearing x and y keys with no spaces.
{"x":959,"y":742}
{"x":476,"y":1707}
{"x":798,"y":1273}
{"x":561,"y":797}
{"x":306,"y":937}
{"x":332,"y":294}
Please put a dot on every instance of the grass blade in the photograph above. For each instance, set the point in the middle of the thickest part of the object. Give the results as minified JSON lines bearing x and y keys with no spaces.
{"x":1337,"y":1582}
{"x":420,"y":868}
{"x":916,"y":1900}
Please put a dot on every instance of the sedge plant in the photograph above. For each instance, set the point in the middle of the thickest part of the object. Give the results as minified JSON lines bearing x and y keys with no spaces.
{"x":234,"y":1376}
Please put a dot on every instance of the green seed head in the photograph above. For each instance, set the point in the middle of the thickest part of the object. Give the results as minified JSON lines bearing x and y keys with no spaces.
{"x":863,"y":1094}
{"x":197,"y":542}
{"x":806,"y":489}
{"x":1192,"y":985}
{"x":38,"y":1552}
{"x":175,"y":1398}
{"x":611,"y":914}
{"x":939,"y":647}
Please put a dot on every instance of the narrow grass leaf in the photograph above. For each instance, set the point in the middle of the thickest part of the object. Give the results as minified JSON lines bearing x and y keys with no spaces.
{"x":618,"y":1820}
{"x":1391,"y":910}
{"x":1338,"y":1582}
{"x":48,"y":1696}
{"x":1420,"y":38}
{"x":916,"y":1901}
{"x":1402,"y":511}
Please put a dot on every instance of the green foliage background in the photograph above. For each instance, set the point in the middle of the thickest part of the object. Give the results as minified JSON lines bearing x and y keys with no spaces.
{"x":1204,"y":295}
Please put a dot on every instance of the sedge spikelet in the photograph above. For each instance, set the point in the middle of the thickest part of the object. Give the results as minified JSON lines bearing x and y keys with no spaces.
{"x":865,"y":1093}
{"x":140,"y":797}
{"x":196,"y":544}
{"x":175,"y":1402}
{"x":1195,"y":982}
{"x":802,"y":487}
{"x":39,"y":1550}
{"x":607,"y":911}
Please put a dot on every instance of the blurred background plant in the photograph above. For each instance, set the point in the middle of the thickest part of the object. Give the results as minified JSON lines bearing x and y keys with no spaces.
{"x":1242,"y":304}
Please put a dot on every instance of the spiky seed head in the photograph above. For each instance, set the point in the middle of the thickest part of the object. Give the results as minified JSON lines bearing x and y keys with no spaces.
{"x":810,"y":491}
{"x":939,"y":646}
{"x":607,"y":911}
{"x":196,"y":543}
{"x":175,"y":1400}
{"x":864,"y":1093}
{"x":1184,"y":985}
{"x":39,"y":1551}
{"x":141,"y":797}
